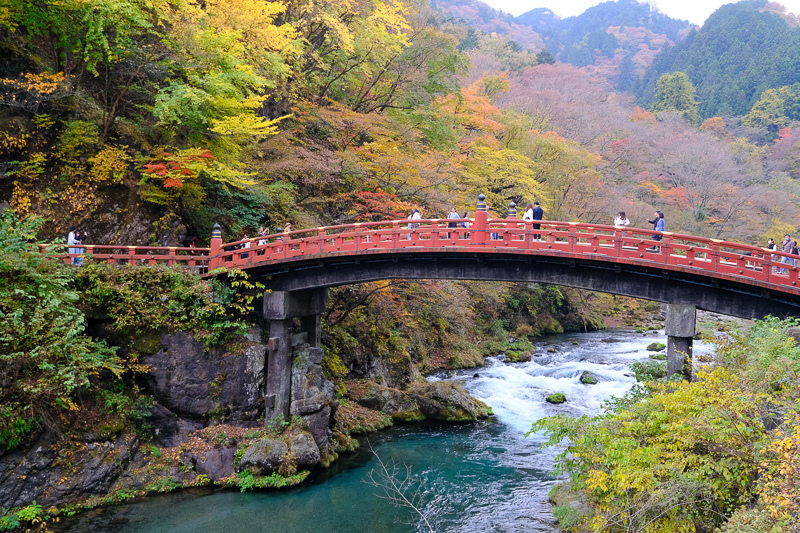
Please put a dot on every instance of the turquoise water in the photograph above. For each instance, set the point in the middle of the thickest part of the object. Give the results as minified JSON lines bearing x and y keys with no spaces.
{"x":478,"y":477}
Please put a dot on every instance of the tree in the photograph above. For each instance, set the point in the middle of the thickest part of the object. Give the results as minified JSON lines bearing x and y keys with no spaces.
{"x":545,"y":57}
{"x":674,"y":92}
{"x":44,"y":354}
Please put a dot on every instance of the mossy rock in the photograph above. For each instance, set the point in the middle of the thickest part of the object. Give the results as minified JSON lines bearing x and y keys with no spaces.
{"x":588,"y":378}
{"x":556,"y":398}
{"x":518,"y":357}
{"x":551,"y":350}
{"x":652,"y":307}
{"x":656,"y":346}
{"x":658,"y":356}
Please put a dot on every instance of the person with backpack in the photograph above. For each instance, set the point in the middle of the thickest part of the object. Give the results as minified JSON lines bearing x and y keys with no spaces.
{"x":789,"y":247}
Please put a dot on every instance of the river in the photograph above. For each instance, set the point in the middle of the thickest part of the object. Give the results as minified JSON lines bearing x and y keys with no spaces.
{"x":479,"y":477}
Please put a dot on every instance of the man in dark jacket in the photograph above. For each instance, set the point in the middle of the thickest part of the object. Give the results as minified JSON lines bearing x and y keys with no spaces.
{"x":538,"y":213}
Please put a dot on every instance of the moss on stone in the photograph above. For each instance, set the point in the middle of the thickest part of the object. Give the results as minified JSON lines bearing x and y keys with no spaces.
{"x":556,"y":397}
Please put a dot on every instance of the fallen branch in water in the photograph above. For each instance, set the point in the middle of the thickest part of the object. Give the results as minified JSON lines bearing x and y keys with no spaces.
{"x":399,"y":486}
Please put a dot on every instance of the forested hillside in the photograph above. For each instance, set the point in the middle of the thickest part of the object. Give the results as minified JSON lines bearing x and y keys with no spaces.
{"x":624,"y":33}
{"x":617,"y":40}
{"x":742,"y":50}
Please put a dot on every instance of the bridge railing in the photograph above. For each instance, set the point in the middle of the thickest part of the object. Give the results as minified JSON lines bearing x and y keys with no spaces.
{"x":193,"y":258}
{"x":597,"y":241}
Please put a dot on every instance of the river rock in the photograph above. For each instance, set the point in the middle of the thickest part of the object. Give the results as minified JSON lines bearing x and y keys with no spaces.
{"x":449,"y":401}
{"x":264,"y":457}
{"x":304,"y":451}
{"x":589,"y":378}
{"x":215,"y":463}
{"x":656,"y":346}
{"x":518,"y":357}
{"x":394,"y":402}
{"x":556,"y":398}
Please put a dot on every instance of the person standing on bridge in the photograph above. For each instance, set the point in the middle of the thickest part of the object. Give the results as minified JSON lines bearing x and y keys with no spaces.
{"x":538,"y":214}
{"x":452,"y":214}
{"x":245,"y":245}
{"x":658,"y":225}
{"x":466,"y":223}
{"x":621,"y":221}
{"x":74,"y":238}
{"x":414,"y":216}
{"x":789,"y":247}
{"x":772,"y":246}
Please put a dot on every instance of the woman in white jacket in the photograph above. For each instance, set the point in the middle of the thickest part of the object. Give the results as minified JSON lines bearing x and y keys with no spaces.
{"x":528,"y":212}
{"x":621,"y":221}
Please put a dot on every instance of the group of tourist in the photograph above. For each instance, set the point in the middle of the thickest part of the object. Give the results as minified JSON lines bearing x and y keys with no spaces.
{"x":789,"y":246}
{"x":75,"y":241}
{"x":533,"y":212}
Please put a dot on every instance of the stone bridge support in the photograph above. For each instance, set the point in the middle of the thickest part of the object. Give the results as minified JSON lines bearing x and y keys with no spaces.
{"x":282,"y":309}
{"x":680,"y":329}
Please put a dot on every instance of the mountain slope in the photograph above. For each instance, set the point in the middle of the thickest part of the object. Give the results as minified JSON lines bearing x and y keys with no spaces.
{"x":741,"y":50}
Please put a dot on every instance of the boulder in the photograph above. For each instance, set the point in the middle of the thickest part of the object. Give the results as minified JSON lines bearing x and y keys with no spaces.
{"x":656,"y":346}
{"x":264,"y":457}
{"x":393,"y":402}
{"x":518,"y":357}
{"x":658,"y":356}
{"x":37,"y":473}
{"x":556,"y":398}
{"x":215,"y":463}
{"x":447,"y":400}
{"x":589,"y":378}
{"x":303,"y":450}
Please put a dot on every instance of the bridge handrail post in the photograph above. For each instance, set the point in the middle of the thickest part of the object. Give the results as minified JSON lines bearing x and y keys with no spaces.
{"x":321,"y":237}
{"x":214,"y":261}
{"x":479,"y":232}
{"x":508,"y":237}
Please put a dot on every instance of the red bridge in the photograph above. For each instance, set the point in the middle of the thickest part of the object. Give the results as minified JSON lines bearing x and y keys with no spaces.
{"x":683,"y":271}
{"x":507,"y":249}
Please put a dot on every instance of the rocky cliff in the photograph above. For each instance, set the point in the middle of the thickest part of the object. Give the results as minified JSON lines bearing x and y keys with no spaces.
{"x":206,"y":427}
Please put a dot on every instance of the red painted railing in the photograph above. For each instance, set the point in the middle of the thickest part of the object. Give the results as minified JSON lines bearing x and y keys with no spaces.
{"x":684,"y":253}
{"x":676,"y":252}
{"x":195,"y":258}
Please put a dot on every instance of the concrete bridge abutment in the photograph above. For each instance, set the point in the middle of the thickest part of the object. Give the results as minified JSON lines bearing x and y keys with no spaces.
{"x":294,"y":318}
{"x":680,"y":329}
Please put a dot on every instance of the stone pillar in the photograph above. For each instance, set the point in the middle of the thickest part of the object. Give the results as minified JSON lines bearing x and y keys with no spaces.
{"x":281,"y":308}
{"x":680,"y":328}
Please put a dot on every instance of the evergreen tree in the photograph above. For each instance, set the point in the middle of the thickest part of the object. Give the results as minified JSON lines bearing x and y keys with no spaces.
{"x":545,"y":57}
{"x":674,"y":92}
